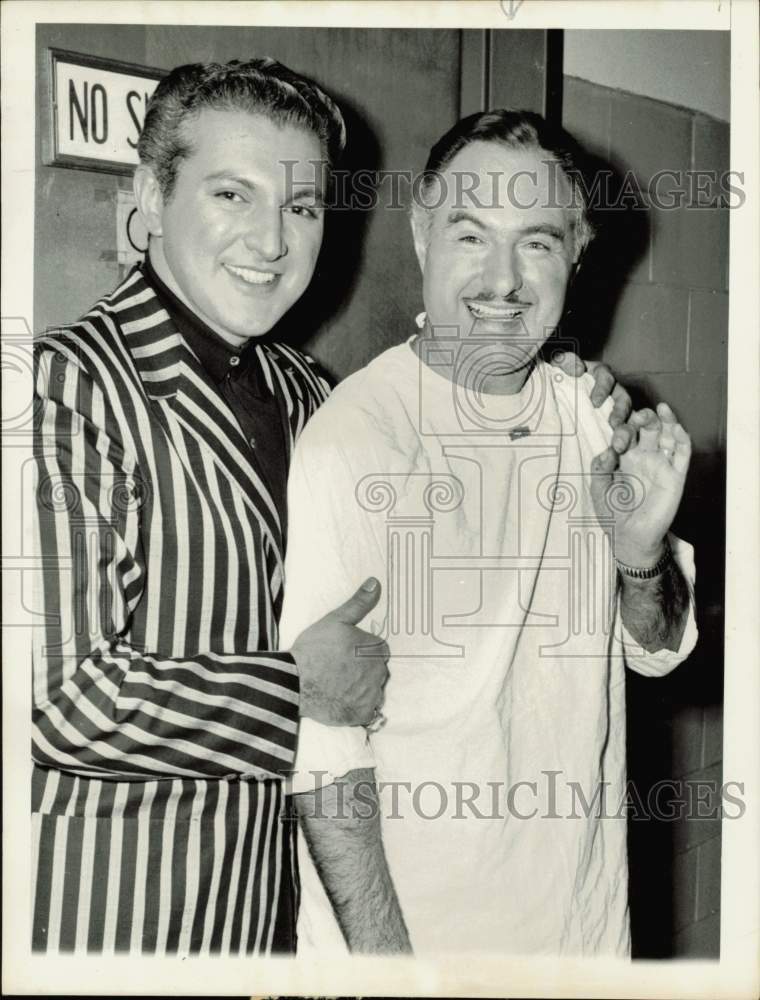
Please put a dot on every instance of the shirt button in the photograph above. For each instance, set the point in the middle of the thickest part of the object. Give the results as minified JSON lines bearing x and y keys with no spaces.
{"x":252,"y":442}
{"x":235,"y":360}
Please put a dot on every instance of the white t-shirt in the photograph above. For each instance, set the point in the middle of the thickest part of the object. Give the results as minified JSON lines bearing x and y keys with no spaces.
{"x":506,"y":702}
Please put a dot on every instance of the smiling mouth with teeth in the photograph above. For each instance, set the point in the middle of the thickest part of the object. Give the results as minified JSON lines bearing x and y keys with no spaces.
{"x":482,"y":310}
{"x":251,"y":276}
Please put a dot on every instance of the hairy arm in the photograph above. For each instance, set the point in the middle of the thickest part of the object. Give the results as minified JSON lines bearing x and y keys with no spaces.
{"x":655,"y":611}
{"x":342,"y":826}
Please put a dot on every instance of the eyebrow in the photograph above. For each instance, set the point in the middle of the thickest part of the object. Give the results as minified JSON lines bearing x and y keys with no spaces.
{"x":460,"y":216}
{"x":539,"y":229}
{"x":308,"y":189}
{"x":224,"y":175}
{"x":546,"y":229}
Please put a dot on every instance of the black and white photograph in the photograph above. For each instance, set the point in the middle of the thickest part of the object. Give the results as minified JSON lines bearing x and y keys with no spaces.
{"x":380,"y":536}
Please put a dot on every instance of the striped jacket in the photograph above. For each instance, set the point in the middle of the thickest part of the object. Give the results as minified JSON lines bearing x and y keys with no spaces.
{"x":164,"y":719}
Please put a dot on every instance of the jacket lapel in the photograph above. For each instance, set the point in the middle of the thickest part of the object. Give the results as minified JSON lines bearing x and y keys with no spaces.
{"x":172,"y":375}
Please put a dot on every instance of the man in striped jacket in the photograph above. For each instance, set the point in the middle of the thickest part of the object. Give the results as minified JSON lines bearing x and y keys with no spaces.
{"x":165,"y":718}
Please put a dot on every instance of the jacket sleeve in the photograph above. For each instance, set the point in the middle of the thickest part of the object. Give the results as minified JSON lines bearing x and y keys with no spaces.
{"x":101,"y":706}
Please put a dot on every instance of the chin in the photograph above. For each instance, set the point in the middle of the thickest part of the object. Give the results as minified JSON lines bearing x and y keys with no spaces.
{"x":252,"y":326}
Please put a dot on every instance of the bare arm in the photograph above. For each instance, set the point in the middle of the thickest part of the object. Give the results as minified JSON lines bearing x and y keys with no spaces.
{"x":342,"y":826}
{"x":655,"y":611}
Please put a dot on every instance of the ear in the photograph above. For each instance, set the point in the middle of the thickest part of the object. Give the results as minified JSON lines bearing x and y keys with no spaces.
{"x":575,"y":269}
{"x":420,"y":234}
{"x":150,"y":201}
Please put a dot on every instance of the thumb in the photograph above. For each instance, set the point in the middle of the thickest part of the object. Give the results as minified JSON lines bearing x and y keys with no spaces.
{"x":362,"y":602}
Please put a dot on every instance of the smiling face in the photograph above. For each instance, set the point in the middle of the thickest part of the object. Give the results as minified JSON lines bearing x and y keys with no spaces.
{"x":498,"y":253}
{"x":239,"y":237}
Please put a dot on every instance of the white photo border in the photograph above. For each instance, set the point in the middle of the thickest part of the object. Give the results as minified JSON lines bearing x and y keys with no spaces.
{"x":737,"y":974}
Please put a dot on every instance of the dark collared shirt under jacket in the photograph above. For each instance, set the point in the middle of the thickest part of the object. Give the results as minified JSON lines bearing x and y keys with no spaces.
{"x":239,"y":377}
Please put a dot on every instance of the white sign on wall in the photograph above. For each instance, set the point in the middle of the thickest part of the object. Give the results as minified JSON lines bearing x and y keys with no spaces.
{"x":97,"y":107}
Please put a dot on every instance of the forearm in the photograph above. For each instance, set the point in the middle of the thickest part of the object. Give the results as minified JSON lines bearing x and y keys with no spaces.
{"x":655,"y":611}
{"x":342,"y":826}
{"x":120,"y":713}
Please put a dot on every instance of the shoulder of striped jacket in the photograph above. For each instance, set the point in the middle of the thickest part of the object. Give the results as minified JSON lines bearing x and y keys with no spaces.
{"x":299,"y":365}
{"x":101,"y":325}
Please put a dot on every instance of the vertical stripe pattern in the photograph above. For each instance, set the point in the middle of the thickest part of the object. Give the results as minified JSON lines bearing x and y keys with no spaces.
{"x":164,"y":716}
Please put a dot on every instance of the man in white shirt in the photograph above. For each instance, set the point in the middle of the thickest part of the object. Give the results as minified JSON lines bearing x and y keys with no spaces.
{"x":526,"y":556}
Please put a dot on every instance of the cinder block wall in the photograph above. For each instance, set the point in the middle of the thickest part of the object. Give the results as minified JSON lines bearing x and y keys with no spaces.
{"x":659,"y":317}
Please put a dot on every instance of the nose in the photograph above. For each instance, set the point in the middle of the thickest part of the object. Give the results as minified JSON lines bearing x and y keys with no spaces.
{"x":265,"y":233}
{"x":502,"y":272}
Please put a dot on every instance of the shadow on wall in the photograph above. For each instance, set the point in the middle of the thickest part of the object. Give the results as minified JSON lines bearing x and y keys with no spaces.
{"x":675,"y":734}
{"x":674,"y":724}
{"x":622,"y":227}
{"x":339,"y":266}
{"x":621,"y":239}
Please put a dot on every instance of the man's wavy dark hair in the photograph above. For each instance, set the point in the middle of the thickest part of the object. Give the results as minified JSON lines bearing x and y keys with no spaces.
{"x":258,"y":86}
